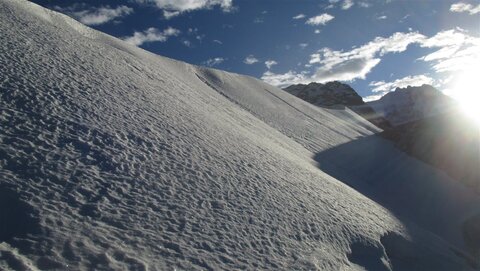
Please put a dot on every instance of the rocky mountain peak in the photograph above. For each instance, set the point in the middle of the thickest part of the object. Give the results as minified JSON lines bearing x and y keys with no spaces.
{"x":412,"y":103}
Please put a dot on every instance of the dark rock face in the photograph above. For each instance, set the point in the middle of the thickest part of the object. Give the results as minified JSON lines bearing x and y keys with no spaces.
{"x":328,"y":94}
{"x":337,"y":94}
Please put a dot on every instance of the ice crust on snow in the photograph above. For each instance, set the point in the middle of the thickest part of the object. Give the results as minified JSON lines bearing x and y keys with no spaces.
{"x":119,"y":159}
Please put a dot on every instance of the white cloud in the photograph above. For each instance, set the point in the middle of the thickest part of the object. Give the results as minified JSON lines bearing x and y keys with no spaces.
{"x":464,"y":7}
{"x":347,"y":4}
{"x":383,"y":17}
{"x":332,"y":4}
{"x":270,"y":63}
{"x":150,"y":35}
{"x":321,"y":19}
{"x":303,"y":45}
{"x":314,"y":58}
{"x":317,"y":31}
{"x":364,"y":4}
{"x":95,"y":16}
{"x":456,"y":50}
{"x":299,"y":16}
{"x":384,"y":87}
{"x":170,"y":14}
{"x":404,"y":18}
{"x":346,"y":70}
{"x":332,"y":65}
{"x":372,"y":97}
{"x":249,"y":60}
{"x":173,"y":8}
{"x":283,"y":80}
{"x":358,"y":62}
{"x":218,"y":41}
{"x":453,"y":52}
{"x":214,"y":61}
{"x":187,"y":43}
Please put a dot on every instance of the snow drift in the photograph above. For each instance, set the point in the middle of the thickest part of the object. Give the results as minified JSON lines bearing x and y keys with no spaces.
{"x":115,"y":158}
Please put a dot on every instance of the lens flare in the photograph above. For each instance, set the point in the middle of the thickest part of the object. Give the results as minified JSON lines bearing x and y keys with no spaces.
{"x":466,"y":91}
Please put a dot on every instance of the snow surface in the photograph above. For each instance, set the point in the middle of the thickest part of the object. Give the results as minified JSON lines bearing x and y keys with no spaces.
{"x":113,"y":158}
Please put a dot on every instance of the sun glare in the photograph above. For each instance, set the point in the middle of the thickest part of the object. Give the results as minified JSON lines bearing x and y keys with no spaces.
{"x":467,"y":93}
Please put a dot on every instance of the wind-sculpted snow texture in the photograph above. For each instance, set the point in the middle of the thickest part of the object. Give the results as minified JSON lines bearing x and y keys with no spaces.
{"x":112,"y":158}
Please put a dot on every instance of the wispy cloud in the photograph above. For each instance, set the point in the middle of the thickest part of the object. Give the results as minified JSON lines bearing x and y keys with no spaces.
{"x":314,"y":58}
{"x":249,"y":60}
{"x":285,"y":79}
{"x":299,"y":16}
{"x":332,"y":65}
{"x":356,"y":63}
{"x":95,"y":15}
{"x":303,"y":45}
{"x":347,"y":4}
{"x":151,"y":34}
{"x":417,"y":80}
{"x":452,"y":53}
{"x":187,"y":43}
{"x":270,"y":63}
{"x":383,"y":17}
{"x":214,"y":61}
{"x":170,"y":14}
{"x":321,"y":19}
{"x":364,"y":4}
{"x":456,"y":51}
{"x":172,"y":8}
{"x":370,"y":98}
{"x":465,"y":7}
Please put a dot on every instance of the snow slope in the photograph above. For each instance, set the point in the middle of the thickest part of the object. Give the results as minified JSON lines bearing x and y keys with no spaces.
{"x":112,"y":158}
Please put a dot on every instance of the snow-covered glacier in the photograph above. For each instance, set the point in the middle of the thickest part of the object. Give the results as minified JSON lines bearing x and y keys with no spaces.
{"x":113,"y":158}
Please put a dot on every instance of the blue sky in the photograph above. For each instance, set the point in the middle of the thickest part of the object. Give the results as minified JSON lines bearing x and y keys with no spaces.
{"x":373,"y":45}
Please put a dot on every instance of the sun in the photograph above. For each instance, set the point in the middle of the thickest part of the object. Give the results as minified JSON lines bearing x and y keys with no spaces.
{"x":466,"y":90}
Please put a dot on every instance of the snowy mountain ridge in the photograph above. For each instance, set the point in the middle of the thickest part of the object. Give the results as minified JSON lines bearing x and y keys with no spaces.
{"x":412,"y":103}
{"x":113,"y":158}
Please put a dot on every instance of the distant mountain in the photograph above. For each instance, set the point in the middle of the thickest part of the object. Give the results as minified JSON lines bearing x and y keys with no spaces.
{"x":336,"y":94}
{"x":411,"y":103}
